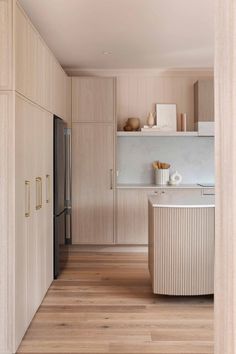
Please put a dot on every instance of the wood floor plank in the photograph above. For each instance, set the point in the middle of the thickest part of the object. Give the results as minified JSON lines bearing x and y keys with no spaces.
{"x":103,"y":303}
{"x":183,"y":334}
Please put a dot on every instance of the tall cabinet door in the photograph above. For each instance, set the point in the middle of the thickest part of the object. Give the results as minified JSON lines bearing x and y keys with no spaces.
{"x":34,"y":214}
{"x":23,"y":217}
{"x":26,"y":246}
{"x":48,"y":198}
{"x":92,"y":183}
{"x":93,"y":99}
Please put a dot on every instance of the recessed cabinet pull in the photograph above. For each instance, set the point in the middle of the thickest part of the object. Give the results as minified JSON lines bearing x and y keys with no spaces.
{"x":38,"y":193}
{"x":48,"y":188}
{"x":111,"y":178}
{"x":27,"y":199}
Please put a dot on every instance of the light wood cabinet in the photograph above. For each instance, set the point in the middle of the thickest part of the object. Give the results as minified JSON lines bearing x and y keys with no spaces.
{"x":6,"y":45}
{"x":26,"y":56}
{"x":132,"y":212}
{"x":204,"y":101}
{"x":39,"y":76}
{"x":68,"y":101}
{"x":6,"y":52}
{"x":132,"y":216}
{"x":93,"y":163}
{"x":92,"y":183}
{"x":48,"y":198}
{"x":33,"y":87}
{"x":24,"y":224}
{"x":93,"y":99}
{"x":59,"y":90}
{"x":204,"y":106}
{"x":7,"y":221}
{"x":34,"y":215}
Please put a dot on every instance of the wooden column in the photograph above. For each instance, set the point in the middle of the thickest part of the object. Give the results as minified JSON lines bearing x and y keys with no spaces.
{"x":225,"y":154}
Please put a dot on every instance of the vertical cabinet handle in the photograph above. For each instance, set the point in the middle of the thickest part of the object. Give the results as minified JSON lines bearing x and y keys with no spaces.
{"x":48,"y":188}
{"x":27,"y":199}
{"x":38,"y":181}
{"x":111,"y":178}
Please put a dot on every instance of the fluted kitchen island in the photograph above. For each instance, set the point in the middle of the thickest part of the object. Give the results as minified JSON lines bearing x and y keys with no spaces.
{"x":181,"y":244}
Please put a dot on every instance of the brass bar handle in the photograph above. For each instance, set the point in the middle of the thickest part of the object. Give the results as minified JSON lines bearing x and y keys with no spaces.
{"x":111,"y":178}
{"x":48,"y":188}
{"x":38,"y":181}
{"x":27,"y":199}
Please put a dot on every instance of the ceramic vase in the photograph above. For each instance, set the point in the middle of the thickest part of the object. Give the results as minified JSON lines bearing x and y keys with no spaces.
{"x":162,"y":176}
{"x":150,"y":120}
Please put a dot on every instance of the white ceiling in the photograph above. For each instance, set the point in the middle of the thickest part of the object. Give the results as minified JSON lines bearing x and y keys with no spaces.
{"x":138,"y":33}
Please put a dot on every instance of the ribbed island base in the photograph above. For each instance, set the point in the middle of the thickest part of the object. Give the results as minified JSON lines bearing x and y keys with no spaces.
{"x":181,"y":244}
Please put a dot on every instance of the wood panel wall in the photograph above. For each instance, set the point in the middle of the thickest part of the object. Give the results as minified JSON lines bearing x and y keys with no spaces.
{"x":6,"y":45}
{"x":138,"y":94}
{"x":7,"y":220}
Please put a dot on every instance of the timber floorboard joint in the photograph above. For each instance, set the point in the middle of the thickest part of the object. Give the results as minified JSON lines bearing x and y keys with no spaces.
{"x":103,"y":303}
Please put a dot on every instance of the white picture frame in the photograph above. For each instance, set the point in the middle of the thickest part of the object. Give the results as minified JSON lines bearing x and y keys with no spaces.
{"x":166,"y":116}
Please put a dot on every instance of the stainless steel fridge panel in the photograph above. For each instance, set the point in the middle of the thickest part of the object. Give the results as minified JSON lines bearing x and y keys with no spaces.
{"x":59,"y":238}
{"x":68,"y":166}
{"x":59,"y":167}
{"x":68,"y":184}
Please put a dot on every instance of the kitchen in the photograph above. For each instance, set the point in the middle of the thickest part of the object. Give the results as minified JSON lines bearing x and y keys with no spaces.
{"x":80,"y":272}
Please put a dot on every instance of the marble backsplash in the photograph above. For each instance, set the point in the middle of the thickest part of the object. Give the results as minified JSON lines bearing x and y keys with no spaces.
{"x":192,"y":157}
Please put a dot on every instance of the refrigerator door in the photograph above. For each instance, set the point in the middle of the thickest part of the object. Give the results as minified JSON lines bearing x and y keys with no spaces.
{"x":59,"y":166}
{"x":68,"y":165}
{"x":59,"y":238}
{"x":68,"y":184}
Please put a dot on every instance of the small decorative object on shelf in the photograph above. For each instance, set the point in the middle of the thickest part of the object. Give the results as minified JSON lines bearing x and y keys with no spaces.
{"x":162,"y":172}
{"x":166,"y":117}
{"x":175,"y":179}
{"x":150,"y":129}
{"x":183,"y":121}
{"x":132,"y":124}
{"x":150,"y":120}
{"x":127,"y":128}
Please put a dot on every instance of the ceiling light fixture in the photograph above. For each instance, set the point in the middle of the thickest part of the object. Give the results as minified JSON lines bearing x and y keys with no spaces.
{"x":106,"y":52}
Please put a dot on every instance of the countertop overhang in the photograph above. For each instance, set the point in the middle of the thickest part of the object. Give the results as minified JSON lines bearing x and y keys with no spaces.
{"x":182,"y":201}
{"x":155,"y":186}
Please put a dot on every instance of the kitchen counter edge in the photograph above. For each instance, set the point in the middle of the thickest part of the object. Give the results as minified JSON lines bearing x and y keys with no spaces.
{"x":154,"y":186}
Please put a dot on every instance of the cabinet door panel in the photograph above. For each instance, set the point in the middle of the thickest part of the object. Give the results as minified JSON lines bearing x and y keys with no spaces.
{"x":132,"y":212}
{"x":21,"y":50}
{"x":92,"y":99}
{"x":132,"y":216}
{"x":32,"y":164}
{"x":6,"y":45}
{"x":92,"y":190}
{"x":22,"y":223}
{"x":26,"y":56}
{"x":48,"y":199}
{"x":34,"y":233}
{"x":26,"y":267}
{"x":39,"y":76}
{"x":59,"y":90}
{"x":39,"y":137}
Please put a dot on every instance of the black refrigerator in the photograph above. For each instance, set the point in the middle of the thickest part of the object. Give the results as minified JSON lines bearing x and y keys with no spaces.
{"x":59,"y":191}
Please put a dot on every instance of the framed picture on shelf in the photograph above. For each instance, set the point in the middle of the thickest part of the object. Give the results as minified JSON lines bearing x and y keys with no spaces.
{"x":166,"y":116}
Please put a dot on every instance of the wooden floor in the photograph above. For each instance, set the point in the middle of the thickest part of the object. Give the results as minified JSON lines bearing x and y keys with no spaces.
{"x":103,"y":303}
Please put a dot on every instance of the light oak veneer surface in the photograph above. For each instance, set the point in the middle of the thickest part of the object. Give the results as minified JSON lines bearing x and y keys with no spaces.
{"x":103,"y":303}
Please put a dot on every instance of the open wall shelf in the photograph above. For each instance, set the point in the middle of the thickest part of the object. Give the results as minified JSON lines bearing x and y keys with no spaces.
{"x":156,"y":133}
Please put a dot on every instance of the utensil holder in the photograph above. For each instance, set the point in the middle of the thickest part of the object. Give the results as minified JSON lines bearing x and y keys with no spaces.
{"x":162,"y":176}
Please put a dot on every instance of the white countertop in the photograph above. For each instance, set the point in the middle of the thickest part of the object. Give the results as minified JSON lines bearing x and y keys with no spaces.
{"x":154,"y":186}
{"x":182,"y":201}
